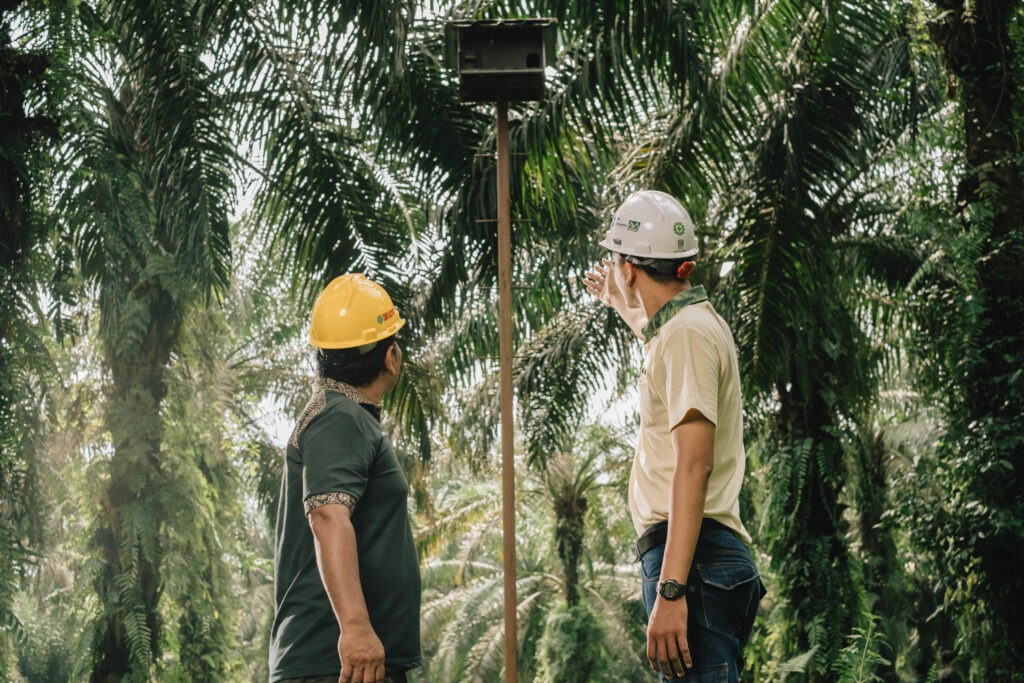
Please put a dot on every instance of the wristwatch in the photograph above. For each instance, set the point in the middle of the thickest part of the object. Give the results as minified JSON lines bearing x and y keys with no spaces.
{"x":670,"y":589}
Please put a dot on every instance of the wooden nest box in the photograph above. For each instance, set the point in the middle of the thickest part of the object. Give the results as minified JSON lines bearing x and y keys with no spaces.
{"x":500,"y":59}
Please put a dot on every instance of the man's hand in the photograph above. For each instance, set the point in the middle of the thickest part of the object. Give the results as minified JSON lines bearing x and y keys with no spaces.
{"x":596,"y":280}
{"x":667,"y":649}
{"x":362,"y":656}
{"x":601,"y":284}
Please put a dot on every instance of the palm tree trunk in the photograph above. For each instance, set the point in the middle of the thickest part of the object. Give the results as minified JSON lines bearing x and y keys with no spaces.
{"x":977,"y":42}
{"x":128,"y":536}
{"x":882,"y":573}
{"x":569,"y":532}
{"x":815,"y":576}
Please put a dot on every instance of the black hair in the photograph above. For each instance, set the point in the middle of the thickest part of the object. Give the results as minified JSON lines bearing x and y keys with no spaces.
{"x":659,"y":270}
{"x":352,"y":367}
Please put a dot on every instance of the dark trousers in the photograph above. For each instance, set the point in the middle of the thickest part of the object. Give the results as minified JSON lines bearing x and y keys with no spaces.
{"x":721,"y":611}
{"x":389,"y":677}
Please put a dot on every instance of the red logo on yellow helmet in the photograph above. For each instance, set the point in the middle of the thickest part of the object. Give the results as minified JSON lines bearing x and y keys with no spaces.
{"x":387,"y":315}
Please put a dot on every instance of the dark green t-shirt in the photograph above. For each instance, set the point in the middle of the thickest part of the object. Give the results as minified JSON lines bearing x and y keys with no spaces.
{"x":338,"y":447}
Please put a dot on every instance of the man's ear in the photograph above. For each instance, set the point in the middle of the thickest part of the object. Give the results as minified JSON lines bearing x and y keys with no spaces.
{"x":629,"y":272}
{"x":685,"y":270}
{"x":391,"y":359}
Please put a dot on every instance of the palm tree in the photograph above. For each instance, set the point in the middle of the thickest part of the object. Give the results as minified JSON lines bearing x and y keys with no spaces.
{"x":148,"y":190}
{"x":157,"y":112}
{"x":217,"y":592}
{"x":22,"y":73}
{"x":785,"y":161}
{"x":980,"y":45}
{"x":461,"y":545}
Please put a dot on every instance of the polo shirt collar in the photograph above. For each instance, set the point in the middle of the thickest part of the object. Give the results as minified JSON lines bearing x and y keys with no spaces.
{"x":350,"y":391}
{"x":693,"y":295}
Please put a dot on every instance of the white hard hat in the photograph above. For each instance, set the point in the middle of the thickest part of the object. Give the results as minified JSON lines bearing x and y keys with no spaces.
{"x":651,"y":225}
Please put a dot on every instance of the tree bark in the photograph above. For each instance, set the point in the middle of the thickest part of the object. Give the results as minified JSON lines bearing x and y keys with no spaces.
{"x":129,"y":539}
{"x":978,"y":47}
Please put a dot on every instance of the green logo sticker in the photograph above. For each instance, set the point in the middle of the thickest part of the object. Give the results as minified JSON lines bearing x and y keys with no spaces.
{"x":633,"y":226}
{"x":380,"y":319}
{"x":679,"y":228}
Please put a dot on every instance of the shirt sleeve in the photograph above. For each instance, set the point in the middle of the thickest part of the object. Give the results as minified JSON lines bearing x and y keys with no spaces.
{"x":690,"y":371}
{"x":337,"y":456}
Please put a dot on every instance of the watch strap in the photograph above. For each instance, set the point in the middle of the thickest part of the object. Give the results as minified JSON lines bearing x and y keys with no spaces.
{"x":675,"y":590}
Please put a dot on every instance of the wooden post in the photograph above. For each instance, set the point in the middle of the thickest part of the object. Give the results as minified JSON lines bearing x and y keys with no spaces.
{"x":508,"y":481}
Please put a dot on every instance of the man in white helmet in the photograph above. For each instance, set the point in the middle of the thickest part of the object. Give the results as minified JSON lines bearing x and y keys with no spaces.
{"x":346,"y":572}
{"x":700,"y":586}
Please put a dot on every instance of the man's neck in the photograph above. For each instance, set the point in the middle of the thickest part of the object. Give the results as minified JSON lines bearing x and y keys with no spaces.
{"x":370,"y":393}
{"x":654,"y":295}
{"x":374,"y":391}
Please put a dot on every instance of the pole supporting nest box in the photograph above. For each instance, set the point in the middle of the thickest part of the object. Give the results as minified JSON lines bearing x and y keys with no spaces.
{"x":500,"y":59}
{"x":503,"y":61}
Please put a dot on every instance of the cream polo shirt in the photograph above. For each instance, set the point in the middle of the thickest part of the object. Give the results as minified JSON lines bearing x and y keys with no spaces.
{"x":691,"y":363}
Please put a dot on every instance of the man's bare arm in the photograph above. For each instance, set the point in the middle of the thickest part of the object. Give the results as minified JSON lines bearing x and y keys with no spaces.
{"x":360,"y":650}
{"x":693,"y":440}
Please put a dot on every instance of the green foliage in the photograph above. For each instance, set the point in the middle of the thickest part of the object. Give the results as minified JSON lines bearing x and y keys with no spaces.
{"x":800,"y":663}
{"x":973,"y":530}
{"x":873,"y":256}
{"x":462,"y":627}
{"x":24,"y":129}
{"x":571,"y":647}
{"x":859,"y":661}
{"x":49,"y":649}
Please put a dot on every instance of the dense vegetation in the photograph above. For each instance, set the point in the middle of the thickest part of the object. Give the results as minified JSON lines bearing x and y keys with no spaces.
{"x":178,"y":179}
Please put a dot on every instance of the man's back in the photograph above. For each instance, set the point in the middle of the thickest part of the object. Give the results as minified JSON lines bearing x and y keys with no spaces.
{"x":338,"y":450}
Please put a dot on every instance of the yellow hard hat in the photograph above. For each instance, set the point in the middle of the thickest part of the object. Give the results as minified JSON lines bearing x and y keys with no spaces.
{"x":352,"y":311}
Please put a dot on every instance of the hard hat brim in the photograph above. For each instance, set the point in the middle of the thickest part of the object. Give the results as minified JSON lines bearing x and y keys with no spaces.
{"x":673,"y":256}
{"x":380,"y":335}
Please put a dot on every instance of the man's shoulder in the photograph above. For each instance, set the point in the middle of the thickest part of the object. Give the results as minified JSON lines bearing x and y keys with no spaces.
{"x":342,"y":413}
{"x":329,"y":405}
{"x":694,"y":320}
{"x":337,"y":402}
{"x":697,"y":332}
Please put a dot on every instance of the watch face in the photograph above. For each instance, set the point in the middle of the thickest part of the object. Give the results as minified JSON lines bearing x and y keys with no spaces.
{"x":671,"y":590}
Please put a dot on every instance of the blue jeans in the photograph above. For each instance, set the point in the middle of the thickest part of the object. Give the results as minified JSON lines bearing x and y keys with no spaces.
{"x":721,"y":611}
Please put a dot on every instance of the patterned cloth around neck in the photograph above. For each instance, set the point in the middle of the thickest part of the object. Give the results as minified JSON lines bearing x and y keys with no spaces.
{"x":318,"y":401}
{"x":693,"y":295}
{"x":353,"y":393}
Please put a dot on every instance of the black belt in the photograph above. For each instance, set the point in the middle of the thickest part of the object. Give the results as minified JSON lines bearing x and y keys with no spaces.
{"x":656,"y":534}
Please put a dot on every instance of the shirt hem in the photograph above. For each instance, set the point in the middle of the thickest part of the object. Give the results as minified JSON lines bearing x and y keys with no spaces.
{"x":305,"y":672}
{"x":310,"y":671}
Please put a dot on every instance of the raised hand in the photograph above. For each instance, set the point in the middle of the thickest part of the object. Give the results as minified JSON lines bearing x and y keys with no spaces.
{"x":596,"y":280}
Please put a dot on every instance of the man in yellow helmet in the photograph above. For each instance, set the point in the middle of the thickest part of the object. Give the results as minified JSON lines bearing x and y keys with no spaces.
{"x":346,"y":573}
{"x":700,"y":586}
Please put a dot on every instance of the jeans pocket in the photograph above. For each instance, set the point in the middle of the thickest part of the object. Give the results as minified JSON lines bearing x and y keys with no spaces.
{"x":650,"y":571}
{"x":715,"y":673}
{"x":650,"y":563}
{"x":729,"y":594}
